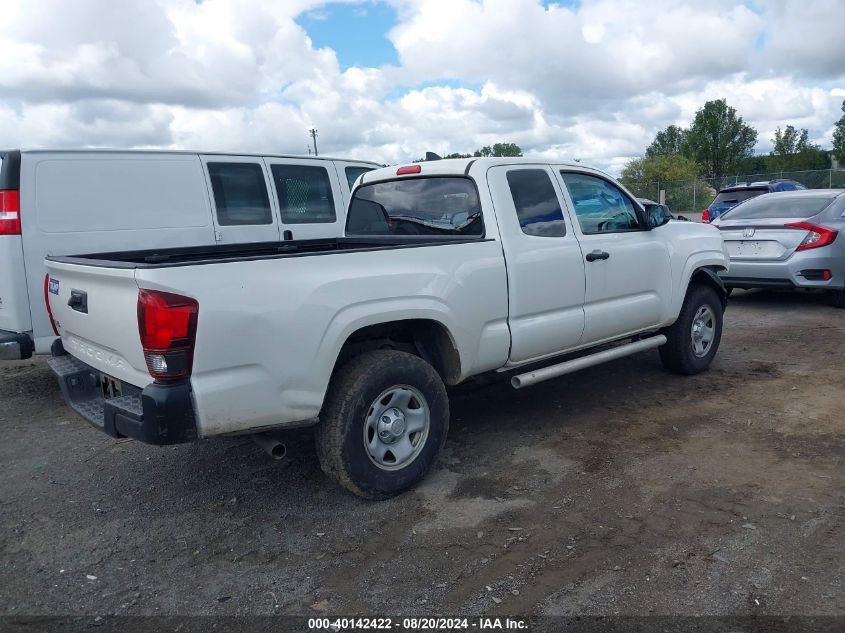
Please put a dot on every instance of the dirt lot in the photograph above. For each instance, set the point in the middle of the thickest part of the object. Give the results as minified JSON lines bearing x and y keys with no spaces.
{"x":619,"y":490}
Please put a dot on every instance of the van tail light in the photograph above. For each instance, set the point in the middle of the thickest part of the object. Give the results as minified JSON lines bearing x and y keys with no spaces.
{"x":705,"y":215}
{"x":10,"y":213}
{"x":409,"y":169}
{"x":167,"y":324}
{"x":817,"y":235}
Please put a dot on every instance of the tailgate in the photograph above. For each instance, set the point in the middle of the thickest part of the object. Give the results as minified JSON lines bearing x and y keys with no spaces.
{"x":96,"y":311}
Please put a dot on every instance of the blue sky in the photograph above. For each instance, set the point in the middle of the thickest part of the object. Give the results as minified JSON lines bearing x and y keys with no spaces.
{"x":356,"y":32}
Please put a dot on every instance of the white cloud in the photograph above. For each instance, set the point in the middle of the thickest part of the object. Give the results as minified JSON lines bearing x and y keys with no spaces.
{"x":593,"y":82}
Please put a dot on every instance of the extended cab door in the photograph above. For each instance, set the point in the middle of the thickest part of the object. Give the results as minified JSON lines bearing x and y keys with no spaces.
{"x":544,"y":262}
{"x":239,"y":195}
{"x":629,"y":281}
{"x":308,"y":196}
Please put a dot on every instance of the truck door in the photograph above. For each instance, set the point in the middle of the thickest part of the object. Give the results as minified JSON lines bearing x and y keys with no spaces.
{"x":629,"y":281}
{"x":544,"y":262}
{"x":239,"y":193}
{"x":308,"y":196}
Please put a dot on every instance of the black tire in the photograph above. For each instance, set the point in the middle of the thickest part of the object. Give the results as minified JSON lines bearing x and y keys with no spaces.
{"x":340,"y":434}
{"x":836,"y":298}
{"x":678,"y":354}
{"x":729,"y":291}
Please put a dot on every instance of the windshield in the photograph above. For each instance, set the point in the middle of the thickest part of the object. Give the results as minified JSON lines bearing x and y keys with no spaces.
{"x":442,"y":206}
{"x":736,"y":196}
{"x":779,"y":206}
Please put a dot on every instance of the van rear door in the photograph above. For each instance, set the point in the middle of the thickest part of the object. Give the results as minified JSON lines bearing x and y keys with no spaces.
{"x":243,"y":211}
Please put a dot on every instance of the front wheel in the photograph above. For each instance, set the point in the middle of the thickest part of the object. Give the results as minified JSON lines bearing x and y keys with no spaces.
{"x":694,"y":337}
{"x":384,"y":420}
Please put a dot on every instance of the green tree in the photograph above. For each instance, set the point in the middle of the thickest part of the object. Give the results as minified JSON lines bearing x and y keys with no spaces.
{"x":839,"y":138}
{"x":719,"y":139}
{"x":668,"y":141}
{"x":790,"y":141}
{"x":677,"y":175}
{"x":498,"y":149}
{"x":792,"y":151}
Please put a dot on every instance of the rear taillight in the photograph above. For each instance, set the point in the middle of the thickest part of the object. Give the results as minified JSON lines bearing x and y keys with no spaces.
{"x":10,"y":213}
{"x":705,"y":215}
{"x":817,"y":237}
{"x":167,"y":324}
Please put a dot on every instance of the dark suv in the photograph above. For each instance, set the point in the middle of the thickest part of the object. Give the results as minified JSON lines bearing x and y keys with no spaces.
{"x":729,"y":197}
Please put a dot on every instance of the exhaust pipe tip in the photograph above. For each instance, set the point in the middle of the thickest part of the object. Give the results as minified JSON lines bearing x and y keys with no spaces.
{"x":273,"y":447}
{"x":516,"y":383}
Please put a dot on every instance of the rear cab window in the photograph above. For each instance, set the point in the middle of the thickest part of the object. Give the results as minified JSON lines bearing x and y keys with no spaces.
{"x":305,"y":194}
{"x":240,"y":194}
{"x":444,"y":207}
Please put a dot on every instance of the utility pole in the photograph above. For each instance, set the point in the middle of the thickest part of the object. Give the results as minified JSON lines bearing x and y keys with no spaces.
{"x":313,"y":133}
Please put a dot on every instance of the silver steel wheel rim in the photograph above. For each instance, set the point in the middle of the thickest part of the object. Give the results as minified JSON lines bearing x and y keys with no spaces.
{"x":703,"y":330}
{"x":396,"y":427}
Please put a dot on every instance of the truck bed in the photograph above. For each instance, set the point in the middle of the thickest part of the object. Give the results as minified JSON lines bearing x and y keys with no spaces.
{"x":198,"y":255}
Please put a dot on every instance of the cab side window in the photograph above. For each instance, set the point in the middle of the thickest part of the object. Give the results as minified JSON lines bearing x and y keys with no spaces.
{"x":305,"y":194}
{"x":240,"y":194}
{"x":536,"y":203}
{"x":600,"y":206}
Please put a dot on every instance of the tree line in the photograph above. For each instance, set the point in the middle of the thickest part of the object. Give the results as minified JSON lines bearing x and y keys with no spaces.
{"x":719,"y":143}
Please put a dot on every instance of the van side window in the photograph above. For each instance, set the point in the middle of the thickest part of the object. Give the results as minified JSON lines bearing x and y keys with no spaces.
{"x":240,"y":194}
{"x":305,"y":194}
{"x":600,"y":206}
{"x":537,"y":206}
{"x":352,"y":174}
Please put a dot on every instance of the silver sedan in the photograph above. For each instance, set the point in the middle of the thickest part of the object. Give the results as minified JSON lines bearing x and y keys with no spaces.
{"x":787,"y":240}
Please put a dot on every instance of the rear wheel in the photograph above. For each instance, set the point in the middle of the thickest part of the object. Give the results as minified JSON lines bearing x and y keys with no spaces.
{"x":384,"y":420}
{"x":694,"y":337}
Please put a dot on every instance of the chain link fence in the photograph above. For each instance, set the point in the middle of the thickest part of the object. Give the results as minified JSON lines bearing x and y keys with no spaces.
{"x":691,"y":196}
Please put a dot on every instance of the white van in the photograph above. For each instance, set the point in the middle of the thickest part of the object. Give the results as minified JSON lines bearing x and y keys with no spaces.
{"x":61,"y":202}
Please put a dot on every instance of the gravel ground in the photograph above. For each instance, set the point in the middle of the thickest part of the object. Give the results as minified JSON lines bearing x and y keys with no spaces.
{"x":619,"y":490}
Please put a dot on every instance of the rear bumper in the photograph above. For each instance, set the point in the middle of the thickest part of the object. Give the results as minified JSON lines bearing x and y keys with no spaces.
{"x":799,"y":271}
{"x":15,"y":346}
{"x":157,"y":414}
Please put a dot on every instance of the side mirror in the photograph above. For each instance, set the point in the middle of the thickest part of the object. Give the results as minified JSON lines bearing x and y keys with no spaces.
{"x":656,"y":216}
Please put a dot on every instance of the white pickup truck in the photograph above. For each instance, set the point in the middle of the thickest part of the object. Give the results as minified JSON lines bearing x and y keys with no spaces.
{"x":448,"y":269}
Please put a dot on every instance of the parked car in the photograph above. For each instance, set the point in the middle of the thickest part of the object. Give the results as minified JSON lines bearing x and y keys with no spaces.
{"x":787,"y":240}
{"x":729,"y":197}
{"x":659,"y":210}
{"x":61,"y":202}
{"x":358,"y":335}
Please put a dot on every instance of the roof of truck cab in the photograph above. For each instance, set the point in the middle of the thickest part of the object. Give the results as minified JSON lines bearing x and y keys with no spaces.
{"x":461,"y":167}
{"x":106,"y":150}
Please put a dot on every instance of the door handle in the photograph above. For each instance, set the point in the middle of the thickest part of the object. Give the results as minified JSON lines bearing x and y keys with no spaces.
{"x":287,"y":235}
{"x":597,"y":254}
{"x":78,"y":301}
